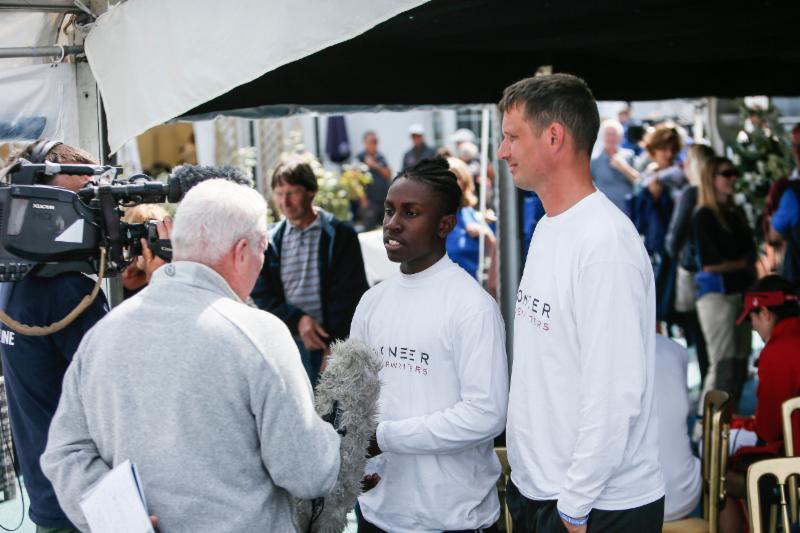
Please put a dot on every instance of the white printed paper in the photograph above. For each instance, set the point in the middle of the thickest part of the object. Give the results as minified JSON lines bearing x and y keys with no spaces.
{"x":116,"y":504}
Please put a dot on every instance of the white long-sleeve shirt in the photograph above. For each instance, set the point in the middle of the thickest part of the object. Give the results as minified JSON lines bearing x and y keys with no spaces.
{"x":682,"y":477}
{"x":582,"y":426}
{"x":443,"y":399}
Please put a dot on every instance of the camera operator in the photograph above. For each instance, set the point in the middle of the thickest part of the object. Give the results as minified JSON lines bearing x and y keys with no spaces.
{"x":34,"y":367}
{"x":137,"y":275}
{"x":204,"y":394}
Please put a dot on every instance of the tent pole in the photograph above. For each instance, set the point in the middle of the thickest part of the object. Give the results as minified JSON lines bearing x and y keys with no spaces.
{"x":60,"y":6}
{"x":482,"y":206}
{"x":508,"y":246}
{"x":40,"y":51}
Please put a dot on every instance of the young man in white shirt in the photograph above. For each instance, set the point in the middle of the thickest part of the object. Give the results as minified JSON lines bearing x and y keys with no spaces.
{"x":582,"y":433}
{"x":444,"y":382}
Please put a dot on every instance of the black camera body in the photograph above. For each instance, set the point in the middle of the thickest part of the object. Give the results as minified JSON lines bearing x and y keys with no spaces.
{"x":43,"y":226}
{"x":47,"y":230}
{"x":147,"y":230}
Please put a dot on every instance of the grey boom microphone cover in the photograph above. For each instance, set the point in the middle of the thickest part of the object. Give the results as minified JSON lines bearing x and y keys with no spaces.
{"x":191,"y":175}
{"x":347,"y":397}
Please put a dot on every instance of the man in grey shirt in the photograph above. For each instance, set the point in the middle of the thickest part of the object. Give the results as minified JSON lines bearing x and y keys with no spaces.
{"x":204,"y":394}
{"x":611,"y":169}
{"x":313,"y":274}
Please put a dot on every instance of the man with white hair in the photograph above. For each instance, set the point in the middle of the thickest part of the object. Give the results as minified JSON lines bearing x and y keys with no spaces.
{"x":611,"y":169}
{"x":205,"y":395}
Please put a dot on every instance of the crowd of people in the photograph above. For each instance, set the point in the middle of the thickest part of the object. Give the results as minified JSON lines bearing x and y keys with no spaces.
{"x":203,"y":377}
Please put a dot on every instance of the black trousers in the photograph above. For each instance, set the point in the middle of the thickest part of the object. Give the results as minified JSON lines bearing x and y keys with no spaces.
{"x":366,"y":527}
{"x":533,"y":516}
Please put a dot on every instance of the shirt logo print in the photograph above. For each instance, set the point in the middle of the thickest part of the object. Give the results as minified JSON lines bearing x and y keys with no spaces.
{"x":533,"y":310}
{"x":403,"y":358}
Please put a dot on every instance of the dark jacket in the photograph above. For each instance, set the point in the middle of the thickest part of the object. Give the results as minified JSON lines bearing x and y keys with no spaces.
{"x":34,"y":368}
{"x":679,"y":242}
{"x":651,"y":217}
{"x":341,"y":276}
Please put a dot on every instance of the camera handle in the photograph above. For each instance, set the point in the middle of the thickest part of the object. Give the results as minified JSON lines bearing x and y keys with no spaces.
{"x":40,"y":331}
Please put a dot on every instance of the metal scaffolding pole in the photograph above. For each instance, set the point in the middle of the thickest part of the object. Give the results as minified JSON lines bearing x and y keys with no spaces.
{"x":57,"y":6}
{"x":509,"y":245}
{"x":40,"y":51}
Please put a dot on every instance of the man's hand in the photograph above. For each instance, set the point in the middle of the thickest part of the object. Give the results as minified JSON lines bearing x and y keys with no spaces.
{"x":616,"y":162}
{"x":373,"y":449}
{"x":149,"y":262}
{"x":474,"y":230}
{"x":312,"y":333}
{"x":369,"y":482}
{"x":326,"y":353}
{"x":573,"y":529}
{"x":154,"y":522}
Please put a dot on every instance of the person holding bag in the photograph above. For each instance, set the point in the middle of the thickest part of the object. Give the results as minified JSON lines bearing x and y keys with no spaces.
{"x":726,"y":252}
{"x":681,"y":247}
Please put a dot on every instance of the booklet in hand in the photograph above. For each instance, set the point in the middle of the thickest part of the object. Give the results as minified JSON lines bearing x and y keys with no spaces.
{"x":116,"y":503}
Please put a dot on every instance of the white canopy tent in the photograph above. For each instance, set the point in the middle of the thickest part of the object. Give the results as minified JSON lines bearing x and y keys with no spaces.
{"x":193,"y":59}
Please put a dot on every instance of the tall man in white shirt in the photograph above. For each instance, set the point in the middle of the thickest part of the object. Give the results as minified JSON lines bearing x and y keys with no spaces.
{"x":582,"y":432}
{"x":444,"y":382}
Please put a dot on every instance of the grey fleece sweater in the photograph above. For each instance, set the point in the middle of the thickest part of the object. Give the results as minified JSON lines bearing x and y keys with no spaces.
{"x":207,"y":396}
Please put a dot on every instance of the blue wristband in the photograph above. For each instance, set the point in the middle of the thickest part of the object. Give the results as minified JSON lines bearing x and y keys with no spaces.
{"x":574,"y":521}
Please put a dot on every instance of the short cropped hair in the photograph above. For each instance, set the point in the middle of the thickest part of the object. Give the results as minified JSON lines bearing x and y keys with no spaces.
{"x":213,"y":216}
{"x":561,"y":98}
{"x":294,"y":170}
{"x":60,"y":153}
{"x":436,"y":174}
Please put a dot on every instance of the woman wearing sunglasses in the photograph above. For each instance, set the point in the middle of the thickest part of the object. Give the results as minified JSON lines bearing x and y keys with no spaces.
{"x":726,"y":255}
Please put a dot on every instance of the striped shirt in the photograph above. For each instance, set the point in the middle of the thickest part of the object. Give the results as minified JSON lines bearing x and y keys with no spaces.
{"x":300,"y":268}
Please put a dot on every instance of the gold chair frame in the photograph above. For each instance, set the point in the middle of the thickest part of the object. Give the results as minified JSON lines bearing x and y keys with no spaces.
{"x":502,"y":483}
{"x":787,"y":409}
{"x":716,"y":429}
{"x":782,"y":468}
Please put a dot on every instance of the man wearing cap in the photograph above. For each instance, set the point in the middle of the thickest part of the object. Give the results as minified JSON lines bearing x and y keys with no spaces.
{"x":420,"y":150}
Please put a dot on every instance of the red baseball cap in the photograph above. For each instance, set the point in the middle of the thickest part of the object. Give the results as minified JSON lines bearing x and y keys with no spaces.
{"x":755,"y":300}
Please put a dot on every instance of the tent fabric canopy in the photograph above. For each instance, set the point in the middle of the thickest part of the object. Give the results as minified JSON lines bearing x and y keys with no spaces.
{"x":156,"y":60}
{"x":467,"y":51}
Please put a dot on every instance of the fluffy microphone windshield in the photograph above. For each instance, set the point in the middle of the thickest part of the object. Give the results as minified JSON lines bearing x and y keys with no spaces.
{"x":347,"y":397}
{"x":191,"y":175}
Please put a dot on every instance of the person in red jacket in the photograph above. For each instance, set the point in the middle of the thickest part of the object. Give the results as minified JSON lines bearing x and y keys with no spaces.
{"x":773,"y":308}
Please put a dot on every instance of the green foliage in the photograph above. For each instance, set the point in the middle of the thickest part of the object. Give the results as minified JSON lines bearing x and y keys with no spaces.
{"x":761,"y":154}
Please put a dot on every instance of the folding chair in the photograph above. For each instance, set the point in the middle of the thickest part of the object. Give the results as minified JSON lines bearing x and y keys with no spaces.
{"x":788,"y":408}
{"x":782,"y":468}
{"x":716,"y":428}
{"x":502,"y":454}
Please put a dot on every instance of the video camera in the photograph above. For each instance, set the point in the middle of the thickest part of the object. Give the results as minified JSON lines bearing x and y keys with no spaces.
{"x":47,"y":230}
